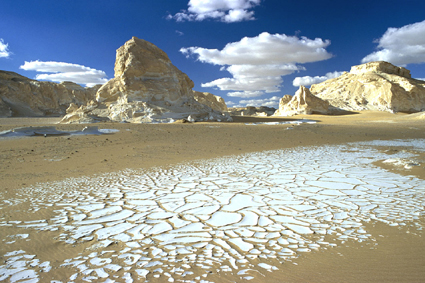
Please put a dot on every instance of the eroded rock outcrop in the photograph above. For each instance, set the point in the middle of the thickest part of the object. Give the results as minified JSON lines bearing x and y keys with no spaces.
{"x":377,"y":86}
{"x":147,"y":88}
{"x":23,"y":97}
{"x":213,"y":101}
{"x":303,"y":102}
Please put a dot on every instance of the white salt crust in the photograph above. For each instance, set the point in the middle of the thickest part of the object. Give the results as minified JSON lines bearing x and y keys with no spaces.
{"x":223,"y":215}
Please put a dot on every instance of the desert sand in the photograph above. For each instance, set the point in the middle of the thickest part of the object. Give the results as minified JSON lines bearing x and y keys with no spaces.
{"x":399,"y":256}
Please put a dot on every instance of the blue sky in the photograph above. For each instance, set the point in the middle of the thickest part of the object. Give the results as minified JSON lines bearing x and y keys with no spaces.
{"x":250,"y":52}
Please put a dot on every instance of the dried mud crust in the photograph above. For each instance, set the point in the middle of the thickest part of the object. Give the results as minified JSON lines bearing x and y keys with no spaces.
{"x":240,"y":217}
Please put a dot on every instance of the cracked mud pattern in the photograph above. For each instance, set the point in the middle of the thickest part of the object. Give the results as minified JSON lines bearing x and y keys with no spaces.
{"x":240,"y":216}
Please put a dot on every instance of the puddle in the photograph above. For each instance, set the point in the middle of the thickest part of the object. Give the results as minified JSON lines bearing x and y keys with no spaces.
{"x":52,"y":131}
{"x":293,"y":122}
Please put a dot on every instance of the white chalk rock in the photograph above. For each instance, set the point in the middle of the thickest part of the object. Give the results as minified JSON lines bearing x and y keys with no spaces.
{"x":148,"y":88}
{"x":303,"y":102}
{"x":213,"y":101}
{"x":23,"y":97}
{"x":378,"y":86}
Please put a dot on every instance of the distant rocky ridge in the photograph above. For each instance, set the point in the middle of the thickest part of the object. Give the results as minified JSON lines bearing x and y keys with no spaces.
{"x":378,"y":86}
{"x":24,"y":97}
{"x":147,"y":88}
{"x":261,"y":111}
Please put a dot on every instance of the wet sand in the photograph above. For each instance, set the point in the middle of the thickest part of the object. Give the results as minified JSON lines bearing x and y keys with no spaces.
{"x":399,"y":257}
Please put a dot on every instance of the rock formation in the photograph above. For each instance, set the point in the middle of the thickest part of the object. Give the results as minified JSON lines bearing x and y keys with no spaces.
{"x":213,"y":101}
{"x":147,"y":88}
{"x":21,"y":96}
{"x":374,"y":86}
{"x":303,"y":102}
{"x":261,"y":111}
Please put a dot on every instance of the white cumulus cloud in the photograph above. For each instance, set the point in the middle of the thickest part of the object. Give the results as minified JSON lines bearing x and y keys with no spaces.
{"x":4,"y":52}
{"x":245,"y":94}
{"x":269,"y":102}
{"x":61,"y":71}
{"x":307,"y":80}
{"x":258,"y":63}
{"x":401,"y":46}
{"x":228,"y":11}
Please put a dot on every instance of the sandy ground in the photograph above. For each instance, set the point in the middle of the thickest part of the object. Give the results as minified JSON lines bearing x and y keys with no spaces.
{"x":400,"y":256}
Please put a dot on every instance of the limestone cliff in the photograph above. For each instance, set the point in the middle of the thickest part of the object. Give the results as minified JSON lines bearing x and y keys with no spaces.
{"x":147,"y":88}
{"x":374,"y":86}
{"x":21,"y":96}
{"x":303,"y":102}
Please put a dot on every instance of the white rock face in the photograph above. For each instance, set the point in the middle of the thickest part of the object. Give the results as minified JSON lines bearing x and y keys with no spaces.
{"x":21,"y":96}
{"x":147,"y":88}
{"x":213,"y":101}
{"x":285,"y":99}
{"x":380,"y":67}
{"x":303,"y":102}
{"x":377,"y":86}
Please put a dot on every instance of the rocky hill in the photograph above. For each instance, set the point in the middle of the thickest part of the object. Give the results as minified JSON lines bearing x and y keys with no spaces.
{"x":378,"y":86}
{"x":24,"y":97}
{"x":374,"y":86}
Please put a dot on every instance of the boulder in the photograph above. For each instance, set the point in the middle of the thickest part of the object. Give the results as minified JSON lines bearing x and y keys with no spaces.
{"x":24,"y":97}
{"x":378,"y":86}
{"x":303,"y":102}
{"x":147,"y":88}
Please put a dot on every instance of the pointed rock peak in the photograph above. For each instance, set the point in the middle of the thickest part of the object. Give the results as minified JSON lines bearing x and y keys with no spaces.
{"x":302,"y":88}
{"x":303,"y":102}
{"x":285,"y":99}
{"x":138,"y":55}
{"x":303,"y":92}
